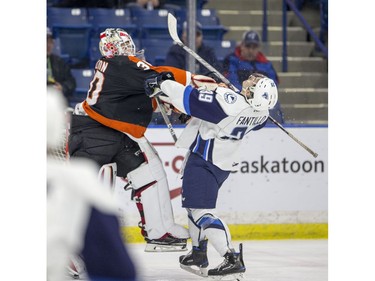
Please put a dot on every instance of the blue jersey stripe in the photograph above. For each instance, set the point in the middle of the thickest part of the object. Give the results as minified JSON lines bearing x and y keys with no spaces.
{"x":187,"y":92}
{"x":206,"y":148}
{"x":203,"y":148}
{"x":196,"y":143}
{"x":210,"y":150}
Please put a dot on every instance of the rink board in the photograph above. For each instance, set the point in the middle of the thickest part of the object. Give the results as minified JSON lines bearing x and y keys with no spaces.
{"x":280,"y":191}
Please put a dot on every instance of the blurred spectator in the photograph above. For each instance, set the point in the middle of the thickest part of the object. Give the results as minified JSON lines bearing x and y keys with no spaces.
{"x":177,"y":56}
{"x":248,"y":59}
{"x":58,"y":71}
{"x":150,"y":4}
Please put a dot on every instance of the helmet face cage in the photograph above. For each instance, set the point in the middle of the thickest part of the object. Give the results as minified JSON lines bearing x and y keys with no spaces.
{"x":116,"y":42}
{"x":260,"y":92}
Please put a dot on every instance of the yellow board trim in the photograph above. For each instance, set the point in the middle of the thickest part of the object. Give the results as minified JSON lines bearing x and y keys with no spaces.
{"x":132,"y":234}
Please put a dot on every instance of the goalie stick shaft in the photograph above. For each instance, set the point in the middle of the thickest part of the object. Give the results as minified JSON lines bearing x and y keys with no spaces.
{"x":166,"y":119}
{"x":172,"y":28}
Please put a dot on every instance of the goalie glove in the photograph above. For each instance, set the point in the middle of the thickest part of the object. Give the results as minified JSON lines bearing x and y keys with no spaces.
{"x":152,"y":84}
{"x":201,"y":81}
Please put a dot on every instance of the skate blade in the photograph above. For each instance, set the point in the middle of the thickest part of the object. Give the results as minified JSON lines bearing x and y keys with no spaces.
{"x":165,"y":248}
{"x":202,"y":272}
{"x":228,"y":277}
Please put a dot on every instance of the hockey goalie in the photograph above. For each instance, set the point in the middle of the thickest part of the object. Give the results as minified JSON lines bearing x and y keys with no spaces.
{"x":108,"y":127}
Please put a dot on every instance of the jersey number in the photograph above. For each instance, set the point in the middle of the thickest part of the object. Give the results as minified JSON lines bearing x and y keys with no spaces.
{"x":205,"y":96}
{"x":143,"y":65}
{"x":237,"y":133}
{"x":95,"y":88}
{"x":96,"y":84}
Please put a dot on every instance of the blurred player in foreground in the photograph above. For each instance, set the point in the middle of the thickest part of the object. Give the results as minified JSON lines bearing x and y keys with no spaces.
{"x":81,"y":213}
{"x":220,"y":120}
{"x":109,"y":125}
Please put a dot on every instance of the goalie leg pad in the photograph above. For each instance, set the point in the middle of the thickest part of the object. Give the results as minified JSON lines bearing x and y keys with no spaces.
{"x":153,"y":215}
{"x":152,"y":196}
{"x":143,"y":176}
{"x":107,"y":175}
{"x":154,"y":204}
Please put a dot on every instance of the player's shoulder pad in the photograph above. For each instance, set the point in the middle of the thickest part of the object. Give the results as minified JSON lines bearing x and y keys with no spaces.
{"x":231,"y":102}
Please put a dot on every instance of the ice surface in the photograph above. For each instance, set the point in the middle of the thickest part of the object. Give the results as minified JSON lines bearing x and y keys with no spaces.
{"x":266,"y":260}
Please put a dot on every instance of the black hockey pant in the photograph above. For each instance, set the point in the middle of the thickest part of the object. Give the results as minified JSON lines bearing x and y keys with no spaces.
{"x":104,"y":145}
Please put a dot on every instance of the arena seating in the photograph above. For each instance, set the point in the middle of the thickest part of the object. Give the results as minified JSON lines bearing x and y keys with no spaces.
{"x":76,"y":30}
{"x":156,"y":50}
{"x":83,"y":78}
{"x":221,"y":47}
{"x":102,"y":18}
{"x":71,"y":27}
{"x":211,"y":27}
{"x":152,"y":23}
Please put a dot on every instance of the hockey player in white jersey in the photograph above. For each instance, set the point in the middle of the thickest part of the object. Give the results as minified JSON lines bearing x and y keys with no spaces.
{"x":82,"y":214}
{"x":220,"y":120}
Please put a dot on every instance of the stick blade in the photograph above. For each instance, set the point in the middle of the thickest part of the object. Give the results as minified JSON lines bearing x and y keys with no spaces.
{"x":172,"y":28}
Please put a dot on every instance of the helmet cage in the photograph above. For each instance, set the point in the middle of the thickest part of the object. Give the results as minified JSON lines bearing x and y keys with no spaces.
{"x":260,"y":93}
{"x":116,"y":42}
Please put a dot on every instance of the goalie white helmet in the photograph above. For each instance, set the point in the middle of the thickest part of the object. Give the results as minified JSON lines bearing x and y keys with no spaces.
{"x":260,"y":92}
{"x":116,"y":42}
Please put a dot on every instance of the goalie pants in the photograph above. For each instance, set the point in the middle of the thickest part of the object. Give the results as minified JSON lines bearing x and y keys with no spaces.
{"x":90,"y":139}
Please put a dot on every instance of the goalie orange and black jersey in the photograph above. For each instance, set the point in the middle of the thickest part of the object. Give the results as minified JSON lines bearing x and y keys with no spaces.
{"x":117,"y":98}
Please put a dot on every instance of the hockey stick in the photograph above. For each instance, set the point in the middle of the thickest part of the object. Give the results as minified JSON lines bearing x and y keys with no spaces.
{"x":172,"y":28}
{"x":309,"y":150}
{"x":166,"y":119}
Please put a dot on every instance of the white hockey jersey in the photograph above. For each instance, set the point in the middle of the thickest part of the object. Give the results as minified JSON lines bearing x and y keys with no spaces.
{"x":220,"y":121}
{"x":73,"y":189}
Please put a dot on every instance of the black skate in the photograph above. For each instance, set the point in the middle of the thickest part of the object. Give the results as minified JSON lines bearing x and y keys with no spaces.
{"x":196,"y":260}
{"x":167,"y":243}
{"x":232,"y":268}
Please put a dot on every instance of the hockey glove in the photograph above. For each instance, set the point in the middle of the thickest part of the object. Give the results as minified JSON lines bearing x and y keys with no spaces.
{"x":152,"y":84}
{"x":184,"y":118}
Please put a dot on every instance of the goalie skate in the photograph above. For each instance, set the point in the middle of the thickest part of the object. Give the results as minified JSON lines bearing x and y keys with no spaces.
{"x":196,"y":261}
{"x":167,"y":243}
